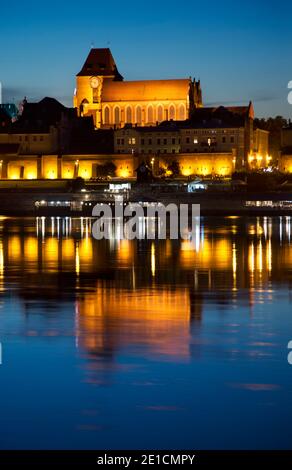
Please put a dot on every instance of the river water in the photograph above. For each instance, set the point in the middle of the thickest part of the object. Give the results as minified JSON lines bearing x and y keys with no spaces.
{"x":152,"y":344}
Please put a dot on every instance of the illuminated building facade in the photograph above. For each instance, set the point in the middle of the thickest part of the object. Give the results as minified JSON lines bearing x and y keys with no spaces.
{"x":285,"y":160}
{"x":14,"y":166}
{"x":49,"y":141}
{"x":102,"y":93}
{"x":260,"y":157}
{"x":119,"y":124}
{"x":212,"y":142}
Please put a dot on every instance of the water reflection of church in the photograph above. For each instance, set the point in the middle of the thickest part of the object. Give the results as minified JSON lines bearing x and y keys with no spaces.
{"x":148,"y":291}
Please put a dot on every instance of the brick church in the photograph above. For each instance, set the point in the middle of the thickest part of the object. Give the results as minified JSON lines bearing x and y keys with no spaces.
{"x":102,"y":92}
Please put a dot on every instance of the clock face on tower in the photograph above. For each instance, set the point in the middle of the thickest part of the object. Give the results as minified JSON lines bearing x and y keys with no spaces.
{"x":94,"y":82}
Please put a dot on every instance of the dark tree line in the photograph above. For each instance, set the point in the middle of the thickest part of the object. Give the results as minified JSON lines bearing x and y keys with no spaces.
{"x":274,"y":126}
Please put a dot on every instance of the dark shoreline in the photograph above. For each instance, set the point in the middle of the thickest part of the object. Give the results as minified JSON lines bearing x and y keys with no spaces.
{"x":22,"y":203}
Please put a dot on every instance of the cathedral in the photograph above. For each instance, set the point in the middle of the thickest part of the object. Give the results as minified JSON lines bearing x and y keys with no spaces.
{"x":102,"y":93}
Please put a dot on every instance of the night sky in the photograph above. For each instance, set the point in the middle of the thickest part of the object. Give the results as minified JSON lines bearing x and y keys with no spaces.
{"x":240,"y":51}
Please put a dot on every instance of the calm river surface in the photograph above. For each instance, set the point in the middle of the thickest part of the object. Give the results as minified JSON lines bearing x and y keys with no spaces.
{"x":145,"y":344}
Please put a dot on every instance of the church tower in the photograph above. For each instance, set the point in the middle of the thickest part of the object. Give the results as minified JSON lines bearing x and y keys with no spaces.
{"x":102,"y":93}
{"x":99,"y":66}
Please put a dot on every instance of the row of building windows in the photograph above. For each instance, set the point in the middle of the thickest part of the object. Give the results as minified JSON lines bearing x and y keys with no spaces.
{"x":158,"y":151}
{"x":173,"y":141}
{"x":211,"y":140}
{"x":159,"y":114}
{"x":209,"y":131}
{"x":34,"y":138}
{"x":132,"y":141}
{"x":150,"y":151}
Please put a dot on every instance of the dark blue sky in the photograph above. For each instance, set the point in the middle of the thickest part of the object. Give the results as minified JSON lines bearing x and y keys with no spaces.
{"x":239,"y":50}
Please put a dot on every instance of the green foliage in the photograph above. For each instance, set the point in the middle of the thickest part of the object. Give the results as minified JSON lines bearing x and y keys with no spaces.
{"x":108,"y":169}
{"x":174,"y":168}
{"x":161,"y":172}
{"x":78,"y":184}
{"x":239,"y":175}
{"x":261,"y":182}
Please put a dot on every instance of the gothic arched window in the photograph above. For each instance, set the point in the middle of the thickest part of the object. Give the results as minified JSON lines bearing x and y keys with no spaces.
{"x":82,"y":106}
{"x":106,"y":115}
{"x":171,"y":112}
{"x":117,"y":116}
{"x":182,"y":112}
{"x":160,"y":113}
{"x":128,"y":115}
{"x":139,"y":115}
{"x":150,"y":117}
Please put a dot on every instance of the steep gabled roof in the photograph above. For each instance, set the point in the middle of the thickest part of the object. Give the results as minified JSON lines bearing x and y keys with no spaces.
{"x":100,"y":62}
